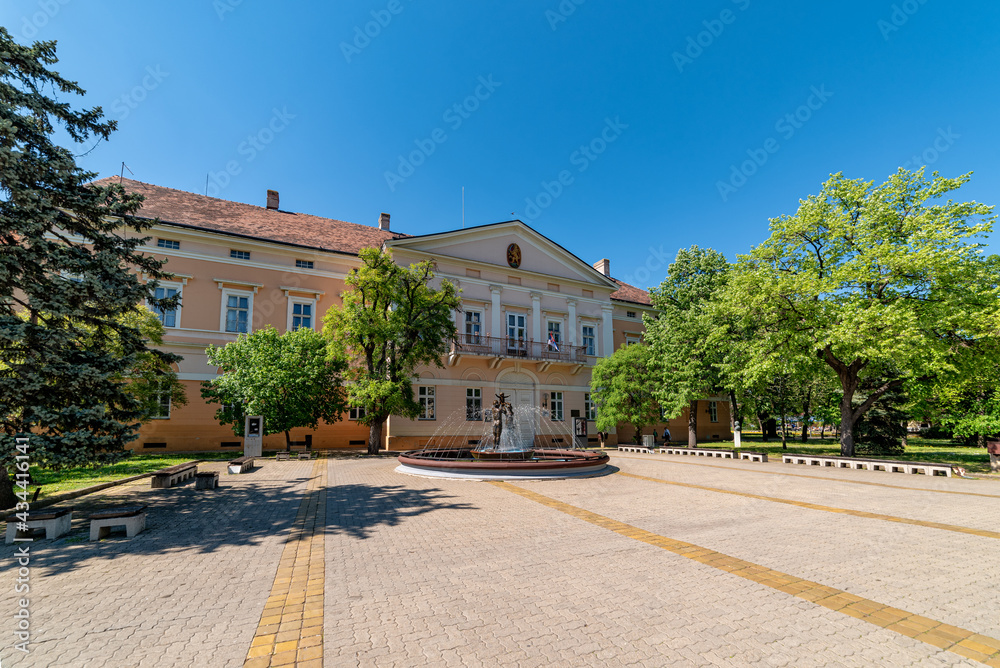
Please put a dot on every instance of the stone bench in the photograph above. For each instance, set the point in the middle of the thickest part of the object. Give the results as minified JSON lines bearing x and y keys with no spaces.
{"x":927,"y":468}
{"x":172,"y":475}
{"x":55,"y":523}
{"x":206,"y":480}
{"x":634,"y":448}
{"x":305,"y":455}
{"x":697,"y":452}
{"x":133,"y":518}
{"x":282,"y":456}
{"x":752,"y":456}
{"x":241,"y":464}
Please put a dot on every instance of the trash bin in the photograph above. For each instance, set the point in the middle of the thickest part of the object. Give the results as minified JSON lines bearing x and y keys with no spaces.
{"x":649,"y":441}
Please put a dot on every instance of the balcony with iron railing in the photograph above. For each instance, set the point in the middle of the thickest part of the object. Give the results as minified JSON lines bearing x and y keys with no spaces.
{"x":510,"y":348}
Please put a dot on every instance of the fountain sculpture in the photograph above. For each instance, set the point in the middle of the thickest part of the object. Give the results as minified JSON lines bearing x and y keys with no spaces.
{"x":503,"y":454}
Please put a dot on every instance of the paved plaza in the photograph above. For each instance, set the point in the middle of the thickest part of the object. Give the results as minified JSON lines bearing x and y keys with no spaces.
{"x":664,"y":562}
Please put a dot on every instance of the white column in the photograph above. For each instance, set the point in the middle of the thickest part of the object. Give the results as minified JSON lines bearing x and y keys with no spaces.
{"x":536,"y":316}
{"x":496,"y":319}
{"x":607,"y":333}
{"x":571,"y":325}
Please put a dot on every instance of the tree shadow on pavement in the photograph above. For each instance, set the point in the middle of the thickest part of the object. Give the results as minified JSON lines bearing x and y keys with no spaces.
{"x":356,"y":509}
{"x":183,"y":521}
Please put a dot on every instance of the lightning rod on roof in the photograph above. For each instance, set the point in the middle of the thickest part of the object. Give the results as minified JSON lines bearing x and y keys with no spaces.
{"x":121,"y":176}
{"x":463,"y":207}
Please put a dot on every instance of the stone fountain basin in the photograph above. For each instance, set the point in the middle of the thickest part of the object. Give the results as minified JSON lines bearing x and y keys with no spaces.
{"x":460,"y":463}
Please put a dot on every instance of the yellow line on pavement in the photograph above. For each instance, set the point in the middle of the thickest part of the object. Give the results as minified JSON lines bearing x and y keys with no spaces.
{"x":290,"y":632}
{"x":802,"y":475}
{"x":828,"y":509}
{"x":969,"y":644}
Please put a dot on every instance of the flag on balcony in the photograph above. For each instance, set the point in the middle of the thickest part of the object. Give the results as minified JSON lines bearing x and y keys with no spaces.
{"x":552,"y":342}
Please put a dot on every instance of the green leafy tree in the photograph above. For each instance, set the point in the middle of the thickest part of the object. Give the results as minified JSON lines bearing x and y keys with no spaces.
{"x":623,"y":388}
{"x":70,"y":261}
{"x":680,"y":334}
{"x":868,"y":278}
{"x":290,"y":379}
{"x":390,"y":322}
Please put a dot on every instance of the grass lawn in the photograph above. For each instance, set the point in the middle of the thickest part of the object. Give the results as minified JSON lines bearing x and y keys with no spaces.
{"x":66,"y":480}
{"x":973,"y":460}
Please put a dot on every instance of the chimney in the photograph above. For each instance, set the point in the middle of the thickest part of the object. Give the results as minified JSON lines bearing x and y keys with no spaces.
{"x":603,"y":266}
{"x":383,"y":222}
{"x":272,"y":199}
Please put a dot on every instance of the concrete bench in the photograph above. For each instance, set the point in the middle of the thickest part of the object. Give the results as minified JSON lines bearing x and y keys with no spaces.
{"x":133,"y":518}
{"x":926,"y":468}
{"x":55,"y":523}
{"x":172,"y":475}
{"x":241,"y":464}
{"x":305,"y":455}
{"x":752,"y":456}
{"x":281,"y":456}
{"x":206,"y":480}
{"x":697,"y":452}
{"x":634,"y":448}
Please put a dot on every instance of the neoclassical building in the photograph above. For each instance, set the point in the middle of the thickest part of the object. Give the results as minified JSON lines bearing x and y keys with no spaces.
{"x":534,"y":318}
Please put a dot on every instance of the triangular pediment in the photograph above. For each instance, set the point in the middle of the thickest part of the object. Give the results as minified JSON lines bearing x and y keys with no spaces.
{"x":495,"y":245}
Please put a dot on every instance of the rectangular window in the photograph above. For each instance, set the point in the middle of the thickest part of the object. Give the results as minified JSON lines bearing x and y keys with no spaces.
{"x":425,"y":395}
{"x":237,"y":313}
{"x":554,"y":333}
{"x":160,"y":406}
{"x":304,"y":264}
{"x":356,"y":413}
{"x":168,"y":243}
{"x":302,"y":315}
{"x":473,"y":404}
{"x":167,"y":317}
{"x":239,"y":255}
{"x":631,"y":340}
{"x":589,"y":340}
{"x":473,"y":327}
{"x":515,"y":334}
{"x":713,"y":411}
{"x":556,"y":406}
{"x":589,"y":407}
{"x":629,"y":314}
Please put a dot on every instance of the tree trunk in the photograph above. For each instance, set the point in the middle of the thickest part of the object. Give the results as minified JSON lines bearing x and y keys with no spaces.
{"x":693,"y":424}
{"x":734,"y":411}
{"x":763,"y":427}
{"x":847,"y":425}
{"x":375,"y":437}
{"x":7,"y":497}
{"x":805,"y":415}
{"x":981,"y":440}
{"x":906,"y":433}
{"x":288,"y":441}
{"x":822,"y":429}
{"x":771,"y":428}
{"x":784,"y":431}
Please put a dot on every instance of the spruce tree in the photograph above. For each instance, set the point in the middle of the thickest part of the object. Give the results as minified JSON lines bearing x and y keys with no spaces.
{"x":70,"y":267}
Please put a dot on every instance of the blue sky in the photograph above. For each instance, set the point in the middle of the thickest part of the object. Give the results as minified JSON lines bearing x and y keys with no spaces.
{"x":612,"y":128}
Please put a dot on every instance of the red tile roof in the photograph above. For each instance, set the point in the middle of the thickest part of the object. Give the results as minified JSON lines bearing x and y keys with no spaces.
{"x":219,"y":215}
{"x":630,"y":293}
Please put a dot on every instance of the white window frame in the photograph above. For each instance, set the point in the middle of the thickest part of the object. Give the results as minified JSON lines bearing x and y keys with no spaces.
{"x":168,"y":244}
{"x":556,"y":402}
{"x":465,"y":332}
{"x":238,"y":254}
{"x":292,"y":301}
{"x":633,"y":339}
{"x":558,"y":322}
{"x":591,"y":350}
{"x":426,"y":396}
{"x":589,"y":407}
{"x":474,"y":395}
{"x":230,"y":292}
{"x":305,"y":264}
{"x":356,"y":413}
{"x":169,"y":285}
{"x":168,"y":405}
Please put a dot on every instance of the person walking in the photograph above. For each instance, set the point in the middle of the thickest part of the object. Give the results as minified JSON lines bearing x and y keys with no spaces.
{"x":666,"y":435}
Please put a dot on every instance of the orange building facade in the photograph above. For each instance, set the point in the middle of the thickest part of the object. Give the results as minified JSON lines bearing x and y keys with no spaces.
{"x":534,"y":319}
